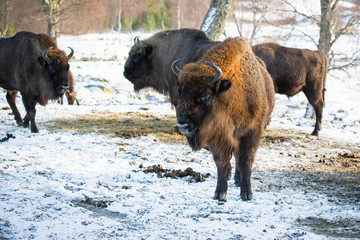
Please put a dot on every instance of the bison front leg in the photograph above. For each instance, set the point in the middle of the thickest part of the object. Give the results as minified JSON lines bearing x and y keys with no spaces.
{"x":244,"y":161}
{"x":224,"y":170}
{"x":30,"y":114}
{"x":10,"y":97}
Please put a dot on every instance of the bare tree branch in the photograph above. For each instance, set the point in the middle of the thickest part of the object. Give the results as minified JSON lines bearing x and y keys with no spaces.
{"x":312,"y":18}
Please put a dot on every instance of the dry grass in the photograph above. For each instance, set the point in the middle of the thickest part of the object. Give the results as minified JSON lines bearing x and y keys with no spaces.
{"x":127,"y":125}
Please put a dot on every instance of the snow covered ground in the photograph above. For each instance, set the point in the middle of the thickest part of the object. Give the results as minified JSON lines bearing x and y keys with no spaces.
{"x":65,"y":184}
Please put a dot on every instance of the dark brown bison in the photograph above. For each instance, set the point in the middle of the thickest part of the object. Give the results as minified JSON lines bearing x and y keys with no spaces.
{"x":33,"y":65}
{"x":294,"y":70}
{"x":70,"y":93}
{"x":149,"y":60}
{"x":225,"y":101}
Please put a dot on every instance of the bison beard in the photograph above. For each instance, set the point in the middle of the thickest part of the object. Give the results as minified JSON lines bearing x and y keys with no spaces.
{"x":226,"y":111}
{"x":32,"y":65}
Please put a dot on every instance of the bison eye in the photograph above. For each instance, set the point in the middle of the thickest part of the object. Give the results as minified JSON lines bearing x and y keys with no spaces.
{"x":205,"y":97}
{"x":136,"y":58}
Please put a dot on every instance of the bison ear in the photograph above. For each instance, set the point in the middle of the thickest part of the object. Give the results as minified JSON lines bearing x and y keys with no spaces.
{"x":148,"y":50}
{"x":224,"y":85}
{"x":42,"y":61}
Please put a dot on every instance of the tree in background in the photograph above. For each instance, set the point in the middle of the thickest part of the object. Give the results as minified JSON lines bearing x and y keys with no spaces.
{"x":214,"y":21}
{"x":337,"y":18}
{"x":250,"y":16}
{"x":56,"y":11}
{"x":5,"y":16}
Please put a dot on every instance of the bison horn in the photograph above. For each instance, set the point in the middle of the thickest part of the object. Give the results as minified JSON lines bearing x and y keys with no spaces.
{"x":137,"y":40}
{"x":174,"y":68}
{"x":45,"y":52}
{"x":71,"y":53}
{"x":217,"y":70}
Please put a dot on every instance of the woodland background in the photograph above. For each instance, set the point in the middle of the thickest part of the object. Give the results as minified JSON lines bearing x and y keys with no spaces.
{"x":76,"y":17}
{"x":84,"y":16}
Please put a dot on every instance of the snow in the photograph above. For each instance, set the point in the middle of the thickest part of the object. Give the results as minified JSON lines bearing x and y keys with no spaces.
{"x":46,"y":177}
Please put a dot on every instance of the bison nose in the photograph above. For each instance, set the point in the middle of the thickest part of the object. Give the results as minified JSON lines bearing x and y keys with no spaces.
{"x":128,"y":75}
{"x":62,"y":88}
{"x":183,"y":125}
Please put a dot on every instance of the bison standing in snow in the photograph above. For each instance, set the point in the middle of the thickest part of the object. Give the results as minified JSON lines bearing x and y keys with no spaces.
{"x":70,"y":93}
{"x":225,"y":101}
{"x":33,"y":65}
{"x":149,"y":60}
{"x":294,"y":70}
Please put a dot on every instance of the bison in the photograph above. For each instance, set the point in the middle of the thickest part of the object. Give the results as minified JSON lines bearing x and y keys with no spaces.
{"x":225,"y":101}
{"x":70,"y":93}
{"x":33,"y":65}
{"x":294,"y":70}
{"x":149,"y":60}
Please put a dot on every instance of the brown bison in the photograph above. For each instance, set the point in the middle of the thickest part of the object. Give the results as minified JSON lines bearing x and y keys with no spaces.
{"x":70,"y":93}
{"x":294,"y":70}
{"x":33,"y":65}
{"x":225,"y":101}
{"x":149,"y":60}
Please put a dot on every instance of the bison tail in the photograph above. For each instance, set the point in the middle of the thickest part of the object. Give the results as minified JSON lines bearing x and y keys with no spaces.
{"x":325,"y":71}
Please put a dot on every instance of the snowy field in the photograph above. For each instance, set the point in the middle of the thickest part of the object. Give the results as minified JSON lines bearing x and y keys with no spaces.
{"x":66,"y":184}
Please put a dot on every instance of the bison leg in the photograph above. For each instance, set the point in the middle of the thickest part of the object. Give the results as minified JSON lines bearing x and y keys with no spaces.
{"x":30,"y":114}
{"x":316,"y":100}
{"x":26,"y":122}
{"x":224,"y":170}
{"x":318,"y":114}
{"x":10,"y":97}
{"x":244,"y":161}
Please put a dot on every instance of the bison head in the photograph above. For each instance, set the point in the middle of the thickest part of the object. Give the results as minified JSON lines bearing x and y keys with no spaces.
{"x":138,"y":63}
{"x":198,"y":90}
{"x":56,"y":68}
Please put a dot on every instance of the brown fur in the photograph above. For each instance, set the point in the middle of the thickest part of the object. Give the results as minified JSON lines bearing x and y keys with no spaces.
{"x":156,"y":54}
{"x":231,"y":121}
{"x":295,"y":70}
{"x":70,"y":93}
{"x":23,"y":68}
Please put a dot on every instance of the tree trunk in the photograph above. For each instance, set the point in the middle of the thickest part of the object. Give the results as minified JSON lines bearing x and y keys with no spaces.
{"x":119,"y":16}
{"x":51,"y":11}
{"x":178,"y":15}
{"x":327,"y":8}
{"x":130,"y":24}
{"x":214,"y":21}
{"x":5,"y":18}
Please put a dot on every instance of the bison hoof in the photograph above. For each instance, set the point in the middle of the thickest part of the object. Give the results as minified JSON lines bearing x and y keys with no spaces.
{"x":315,"y":133}
{"x":221,"y":197}
{"x":246,"y":195}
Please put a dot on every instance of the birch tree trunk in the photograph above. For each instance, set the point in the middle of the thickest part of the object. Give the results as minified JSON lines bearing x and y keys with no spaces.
{"x":327,"y":9}
{"x":119,"y":16}
{"x":51,"y":11}
{"x":214,"y":21}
